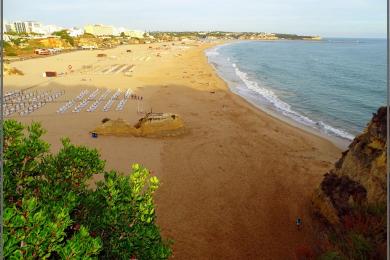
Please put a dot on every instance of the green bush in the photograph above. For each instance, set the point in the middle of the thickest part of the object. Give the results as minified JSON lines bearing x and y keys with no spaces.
{"x":361,"y":247}
{"x":11,"y":54}
{"x":51,"y":213}
{"x":331,"y":255}
{"x":9,"y":50}
{"x":64,"y":35}
{"x":116,"y":201}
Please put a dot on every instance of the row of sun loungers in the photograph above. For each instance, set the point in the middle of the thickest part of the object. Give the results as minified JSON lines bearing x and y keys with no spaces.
{"x":123,"y":102}
{"x":18,"y":96}
{"x":70,"y":103}
{"x":10,"y":95}
{"x":95,"y":105}
{"x":109,"y":103}
{"x":108,"y":69}
{"x":117,"y":68}
{"x":23,"y":104}
{"x":46,"y":98}
{"x":85,"y":102}
{"x":121,"y":105}
{"x":128,"y":93}
{"x":82,"y":94}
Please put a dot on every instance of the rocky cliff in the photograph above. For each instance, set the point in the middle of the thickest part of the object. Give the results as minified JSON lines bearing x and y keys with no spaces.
{"x":359,"y":176}
{"x":351,"y":199}
{"x":53,"y":43}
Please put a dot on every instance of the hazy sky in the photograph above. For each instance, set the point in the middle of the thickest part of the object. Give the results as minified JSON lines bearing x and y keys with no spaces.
{"x":339,"y":18}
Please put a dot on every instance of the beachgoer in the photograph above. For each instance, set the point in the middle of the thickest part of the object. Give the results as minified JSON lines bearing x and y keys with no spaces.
{"x":298,"y":222}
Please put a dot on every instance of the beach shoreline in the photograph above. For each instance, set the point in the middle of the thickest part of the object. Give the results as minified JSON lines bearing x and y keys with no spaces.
{"x":231,"y":187}
{"x":341,"y":143}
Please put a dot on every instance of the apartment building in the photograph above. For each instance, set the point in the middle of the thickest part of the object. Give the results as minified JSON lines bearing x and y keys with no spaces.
{"x":99,"y":30}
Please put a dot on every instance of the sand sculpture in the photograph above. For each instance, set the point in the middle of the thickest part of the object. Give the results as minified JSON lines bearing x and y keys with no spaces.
{"x":152,"y":125}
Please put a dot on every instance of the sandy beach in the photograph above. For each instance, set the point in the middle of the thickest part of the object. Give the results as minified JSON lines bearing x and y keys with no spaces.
{"x":232,"y":186}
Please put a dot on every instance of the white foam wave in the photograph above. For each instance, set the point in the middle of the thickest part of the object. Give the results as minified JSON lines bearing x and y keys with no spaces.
{"x":212,"y":52}
{"x":331,"y":130}
{"x":286,"y":109}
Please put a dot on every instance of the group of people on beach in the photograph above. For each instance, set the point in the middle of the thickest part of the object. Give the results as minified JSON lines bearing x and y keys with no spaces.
{"x":136,"y":97}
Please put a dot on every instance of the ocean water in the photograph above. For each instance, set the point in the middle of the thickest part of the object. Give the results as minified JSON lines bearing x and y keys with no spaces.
{"x":332,"y":86}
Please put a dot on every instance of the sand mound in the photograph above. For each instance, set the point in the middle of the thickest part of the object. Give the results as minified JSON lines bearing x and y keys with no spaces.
{"x":9,"y":71}
{"x":152,"y":125}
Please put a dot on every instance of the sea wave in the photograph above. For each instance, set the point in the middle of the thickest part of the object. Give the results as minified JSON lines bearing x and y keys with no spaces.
{"x":286,"y":109}
{"x":212,"y":52}
{"x":270,"y":98}
{"x":331,"y":130}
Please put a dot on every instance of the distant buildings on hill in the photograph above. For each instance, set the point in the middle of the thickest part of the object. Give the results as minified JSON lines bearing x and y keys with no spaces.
{"x":120,"y":35}
{"x":29,"y":27}
{"x":105,"y":30}
{"x":35,"y":27}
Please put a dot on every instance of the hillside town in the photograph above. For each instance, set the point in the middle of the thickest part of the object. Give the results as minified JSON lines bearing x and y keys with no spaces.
{"x":29,"y":38}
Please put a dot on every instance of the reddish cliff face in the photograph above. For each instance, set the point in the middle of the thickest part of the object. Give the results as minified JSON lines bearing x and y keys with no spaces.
{"x":351,"y":199}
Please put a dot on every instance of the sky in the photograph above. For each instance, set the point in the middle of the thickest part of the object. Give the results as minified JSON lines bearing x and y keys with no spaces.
{"x":327,"y":18}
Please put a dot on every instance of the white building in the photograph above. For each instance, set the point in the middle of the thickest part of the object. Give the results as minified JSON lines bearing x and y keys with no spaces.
{"x":20,"y":27}
{"x":30,"y":27}
{"x":49,"y":29}
{"x":118,"y":31}
{"x":99,"y":30}
{"x":25,"y":27}
{"x":8,"y":27}
{"x":34,"y":27}
{"x":75,"y":32}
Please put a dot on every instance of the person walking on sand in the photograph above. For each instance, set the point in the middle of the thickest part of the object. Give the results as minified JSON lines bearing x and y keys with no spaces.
{"x":298,"y":223}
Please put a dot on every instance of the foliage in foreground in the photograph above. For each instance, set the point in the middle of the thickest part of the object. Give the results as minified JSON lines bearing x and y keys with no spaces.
{"x":50,"y":213}
{"x":362,"y":234}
